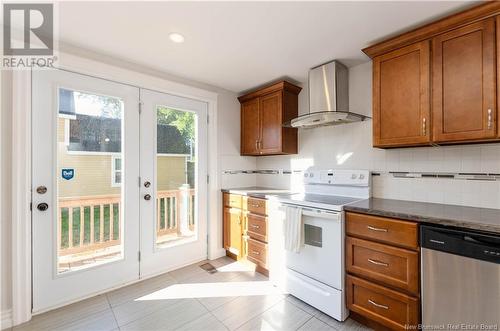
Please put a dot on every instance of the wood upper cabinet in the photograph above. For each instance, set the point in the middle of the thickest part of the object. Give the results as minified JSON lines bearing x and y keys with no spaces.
{"x":463,"y":83}
{"x":439,"y":84}
{"x":271,"y":123}
{"x":401,"y":104}
{"x":250,"y":131}
{"x":263,"y":113}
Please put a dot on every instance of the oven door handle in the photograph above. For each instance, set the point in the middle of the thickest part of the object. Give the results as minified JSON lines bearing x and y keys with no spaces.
{"x":321,"y":213}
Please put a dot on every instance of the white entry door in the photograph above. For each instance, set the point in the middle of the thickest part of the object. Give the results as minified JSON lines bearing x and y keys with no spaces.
{"x":173,"y":181}
{"x":85,"y":186}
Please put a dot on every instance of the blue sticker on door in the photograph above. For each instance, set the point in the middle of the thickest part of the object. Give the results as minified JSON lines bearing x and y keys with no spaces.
{"x":68,"y":173}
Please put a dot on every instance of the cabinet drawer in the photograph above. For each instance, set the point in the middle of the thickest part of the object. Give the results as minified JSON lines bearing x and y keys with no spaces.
{"x":385,"y":306}
{"x":257,"y":252}
{"x":257,"y":206}
{"x":257,"y":226}
{"x":232,"y":200}
{"x":387,"y":230}
{"x":395,"y":267}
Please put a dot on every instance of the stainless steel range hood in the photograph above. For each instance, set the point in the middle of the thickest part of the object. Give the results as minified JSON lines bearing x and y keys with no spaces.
{"x":328,"y":98}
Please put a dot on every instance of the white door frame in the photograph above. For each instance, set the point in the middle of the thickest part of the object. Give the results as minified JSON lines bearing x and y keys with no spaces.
{"x":21,"y":165}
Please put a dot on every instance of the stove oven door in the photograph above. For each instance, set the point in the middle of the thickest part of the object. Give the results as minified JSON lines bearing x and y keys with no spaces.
{"x":322,"y":257}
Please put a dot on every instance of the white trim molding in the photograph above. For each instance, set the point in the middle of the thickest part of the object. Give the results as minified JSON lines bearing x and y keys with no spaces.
{"x":5,"y":319}
{"x":21,"y":197}
{"x":114,"y":183}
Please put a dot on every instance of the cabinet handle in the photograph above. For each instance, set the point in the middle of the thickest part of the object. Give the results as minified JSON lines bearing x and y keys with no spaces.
{"x":257,"y":145}
{"x":255,"y":205}
{"x":255,"y":226}
{"x":378,"y":263}
{"x":377,"y":304}
{"x":255,"y":253}
{"x":424,"y":126}
{"x":376,"y":229}
{"x":489,"y":119}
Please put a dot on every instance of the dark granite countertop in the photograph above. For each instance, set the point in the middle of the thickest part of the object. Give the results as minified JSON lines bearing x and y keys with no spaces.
{"x":256,"y":191}
{"x":482,"y":219}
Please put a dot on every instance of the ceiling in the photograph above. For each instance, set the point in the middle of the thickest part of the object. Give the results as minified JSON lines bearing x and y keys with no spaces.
{"x":240,"y":45}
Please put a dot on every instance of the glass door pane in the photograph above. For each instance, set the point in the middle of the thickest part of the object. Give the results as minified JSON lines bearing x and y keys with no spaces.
{"x":88,"y":172}
{"x":175,"y":175}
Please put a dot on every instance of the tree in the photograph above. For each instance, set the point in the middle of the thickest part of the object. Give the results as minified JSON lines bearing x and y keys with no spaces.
{"x":184,"y":121}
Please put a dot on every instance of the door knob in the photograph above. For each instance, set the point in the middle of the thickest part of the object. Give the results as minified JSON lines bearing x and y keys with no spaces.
{"x":42,"y":206}
{"x":147,"y":197}
{"x":147,"y":184}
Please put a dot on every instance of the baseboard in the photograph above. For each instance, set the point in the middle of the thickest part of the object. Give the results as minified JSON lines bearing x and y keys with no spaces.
{"x":6,"y":319}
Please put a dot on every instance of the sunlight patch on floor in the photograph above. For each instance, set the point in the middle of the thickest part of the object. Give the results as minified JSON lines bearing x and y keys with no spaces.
{"x":210,"y":290}
{"x":240,"y":266}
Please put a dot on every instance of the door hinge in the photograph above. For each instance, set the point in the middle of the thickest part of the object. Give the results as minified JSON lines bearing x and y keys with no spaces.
{"x":140,"y":181}
{"x":208,"y":179}
{"x":139,"y":256}
{"x":140,"y":106}
{"x":208,"y":117}
{"x":31,"y":206}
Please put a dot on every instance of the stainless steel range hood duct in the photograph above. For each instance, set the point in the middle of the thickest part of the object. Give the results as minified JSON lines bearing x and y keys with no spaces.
{"x":328,"y":98}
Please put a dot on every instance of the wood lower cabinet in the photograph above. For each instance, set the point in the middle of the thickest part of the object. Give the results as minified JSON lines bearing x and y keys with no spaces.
{"x":382,"y":264}
{"x":245,"y":229}
{"x":233,"y":230}
{"x":263,"y":113}
{"x":401,"y":97}
{"x":389,"y":308}
{"x":386,"y":264}
{"x":464,"y":83}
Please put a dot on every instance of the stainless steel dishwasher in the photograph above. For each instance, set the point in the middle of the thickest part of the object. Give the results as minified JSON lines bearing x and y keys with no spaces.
{"x":460,"y":279}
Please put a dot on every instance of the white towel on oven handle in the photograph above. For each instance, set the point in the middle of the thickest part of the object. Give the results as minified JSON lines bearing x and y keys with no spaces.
{"x":293,"y":229}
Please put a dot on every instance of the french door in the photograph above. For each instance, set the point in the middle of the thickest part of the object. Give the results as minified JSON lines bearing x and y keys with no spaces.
{"x":117,"y":192}
{"x":173,"y":181}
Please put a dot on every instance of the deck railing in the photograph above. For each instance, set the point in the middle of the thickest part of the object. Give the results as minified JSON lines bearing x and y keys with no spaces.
{"x":90,"y":223}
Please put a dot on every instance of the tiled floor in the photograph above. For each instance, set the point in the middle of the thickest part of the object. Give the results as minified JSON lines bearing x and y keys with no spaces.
{"x":234,"y":298}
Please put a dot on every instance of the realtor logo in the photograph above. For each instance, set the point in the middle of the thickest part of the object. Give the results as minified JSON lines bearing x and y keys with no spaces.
{"x":29,"y":35}
{"x":35,"y":24}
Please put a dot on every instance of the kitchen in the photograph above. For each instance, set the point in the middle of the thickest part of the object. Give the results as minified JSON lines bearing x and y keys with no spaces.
{"x":357,"y":188}
{"x":426,"y":185}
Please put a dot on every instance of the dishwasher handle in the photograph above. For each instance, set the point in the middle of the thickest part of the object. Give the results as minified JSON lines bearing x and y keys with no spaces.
{"x":466,"y":243}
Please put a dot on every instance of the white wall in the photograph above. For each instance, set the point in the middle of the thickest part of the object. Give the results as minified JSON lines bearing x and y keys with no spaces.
{"x":350,"y":147}
{"x":5,"y":193}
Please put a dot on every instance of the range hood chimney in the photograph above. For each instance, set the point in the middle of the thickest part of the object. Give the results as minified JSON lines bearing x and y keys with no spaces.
{"x":328,"y":98}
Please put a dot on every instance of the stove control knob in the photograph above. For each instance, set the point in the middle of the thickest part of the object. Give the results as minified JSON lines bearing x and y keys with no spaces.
{"x":311,"y":174}
{"x":361,"y":176}
{"x":306,"y":174}
{"x":353,"y":176}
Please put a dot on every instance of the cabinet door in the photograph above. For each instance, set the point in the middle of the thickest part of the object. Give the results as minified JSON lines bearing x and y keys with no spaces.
{"x":250,"y":128}
{"x":233,"y":230}
{"x":401,"y":102}
{"x":271,"y":122}
{"x":464,"y":83}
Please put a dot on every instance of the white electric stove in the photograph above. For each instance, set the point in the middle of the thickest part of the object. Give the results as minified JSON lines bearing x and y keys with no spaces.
{"x":316,"y":273}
